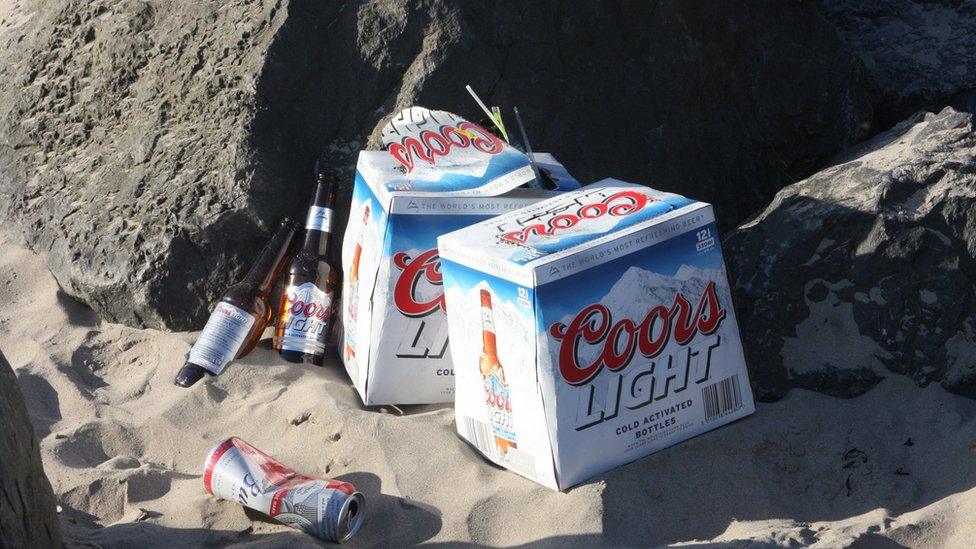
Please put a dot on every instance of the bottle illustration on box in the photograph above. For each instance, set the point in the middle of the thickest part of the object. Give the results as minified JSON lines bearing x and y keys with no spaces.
{"x":497,"y":396}
{"x":353,"y":297}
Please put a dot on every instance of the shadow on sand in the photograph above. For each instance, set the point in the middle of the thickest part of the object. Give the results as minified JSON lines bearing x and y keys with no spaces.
{"x":389,"y":521}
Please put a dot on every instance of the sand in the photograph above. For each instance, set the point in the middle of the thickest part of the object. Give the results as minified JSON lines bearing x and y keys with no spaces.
{"x":123,"y":448}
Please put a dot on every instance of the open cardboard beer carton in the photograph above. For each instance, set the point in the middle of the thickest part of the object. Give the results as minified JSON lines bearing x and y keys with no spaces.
{"x":438,"y":174}
{"x":590,"y":330}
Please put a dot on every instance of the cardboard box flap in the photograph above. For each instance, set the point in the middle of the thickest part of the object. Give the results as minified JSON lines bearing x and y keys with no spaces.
{"x":439,"y":153}
{"x":560,"y":225}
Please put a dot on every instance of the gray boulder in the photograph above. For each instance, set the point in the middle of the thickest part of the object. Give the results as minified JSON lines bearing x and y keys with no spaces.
{"x":867,"y":267}
{"x":125,"y":154}
{"x":28,"y":510}
{"x":148,"y":148}
{"x":918,"y":53}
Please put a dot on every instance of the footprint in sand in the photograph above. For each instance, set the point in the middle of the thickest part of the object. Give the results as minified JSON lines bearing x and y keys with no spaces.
{"x":106,"y":499}
{"x":104,"y":364}
{"x":97,"y":442}
{"x":101,"y":500}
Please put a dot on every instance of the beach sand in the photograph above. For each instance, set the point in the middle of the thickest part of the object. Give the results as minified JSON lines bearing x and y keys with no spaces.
{"x":123,"y":448}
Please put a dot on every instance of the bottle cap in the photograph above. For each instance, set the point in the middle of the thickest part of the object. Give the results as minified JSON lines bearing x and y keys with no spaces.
{"x":321,"y":171}
{"x":189,"y":374}
{"x":326,"y":172}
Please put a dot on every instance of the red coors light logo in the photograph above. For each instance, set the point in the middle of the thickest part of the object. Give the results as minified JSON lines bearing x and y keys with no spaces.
{"x":620,"y":341}
{"x":425,"y":266}
{"x":618,"y":204}
{"x":434,"y":143}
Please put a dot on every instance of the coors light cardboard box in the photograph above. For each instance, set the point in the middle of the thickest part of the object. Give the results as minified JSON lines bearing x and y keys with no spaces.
{"x":438,"y":174}
{"x":590,"y":330}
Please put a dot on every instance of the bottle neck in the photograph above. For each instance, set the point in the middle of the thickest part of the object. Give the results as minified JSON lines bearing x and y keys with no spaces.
{"x":488,"y":341}
{"x":356,"y":256}
{"x":488,"y":328}
{"x":358,"y":250}
{"x":265,"y":271}
{"x":318,"y":225}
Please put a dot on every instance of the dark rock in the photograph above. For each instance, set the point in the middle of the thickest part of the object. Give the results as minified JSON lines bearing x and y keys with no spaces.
{"x":918,"y":53}
{"x":148,"y":147}
{"x":866,"y":267}
{"x":125,"y":158}
{"x":28,"y":510}
{"x":720,"y":101}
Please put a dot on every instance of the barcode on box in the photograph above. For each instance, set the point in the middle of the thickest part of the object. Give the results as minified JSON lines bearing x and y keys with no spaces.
{"x":479,"y":434}
{"x":722,"y":397}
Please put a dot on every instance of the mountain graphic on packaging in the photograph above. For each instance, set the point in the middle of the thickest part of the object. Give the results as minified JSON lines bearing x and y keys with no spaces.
{"x":639,"y":290}
{"x":515,"y":330}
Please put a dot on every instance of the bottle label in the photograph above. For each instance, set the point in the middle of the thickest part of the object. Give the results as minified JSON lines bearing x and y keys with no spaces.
{"x":221,"y":338}
{"x":487,"y":323}
{"x":349,"y":330}
{"x":499,"y":404}
{"x":305,"y":316}
{"x":319,"y":219}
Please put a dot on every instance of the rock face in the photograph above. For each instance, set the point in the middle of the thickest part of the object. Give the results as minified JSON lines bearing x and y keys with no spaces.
{"x":918,"y":53}
{"x":867,"y":267}
{"x":125,"y":150}
{"x":148,"y":148}
{"x":27,"y":507}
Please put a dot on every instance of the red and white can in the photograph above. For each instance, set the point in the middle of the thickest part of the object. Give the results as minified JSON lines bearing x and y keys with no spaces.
{"x":328,"y":509}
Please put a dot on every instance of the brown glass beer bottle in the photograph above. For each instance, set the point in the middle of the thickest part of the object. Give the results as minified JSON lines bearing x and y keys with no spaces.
{"x":238,"y":320}
{"x":305,"y":313}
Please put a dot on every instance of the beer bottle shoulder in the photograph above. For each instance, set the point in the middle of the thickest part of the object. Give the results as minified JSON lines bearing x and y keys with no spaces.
{"x":326,"y":276}
{"x":306,"y":263}
{"x":306,"y":267}
{"x":302,"y":263}
{"x":242,"y":295}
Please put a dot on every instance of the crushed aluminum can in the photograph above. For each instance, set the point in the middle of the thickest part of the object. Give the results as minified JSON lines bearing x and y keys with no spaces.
{"x":328,"y":509}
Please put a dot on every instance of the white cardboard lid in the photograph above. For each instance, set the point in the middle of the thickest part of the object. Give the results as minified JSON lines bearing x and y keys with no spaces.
{"x":512,"y":245}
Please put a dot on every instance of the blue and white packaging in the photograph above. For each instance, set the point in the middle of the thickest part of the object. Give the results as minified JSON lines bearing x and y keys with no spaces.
{"x":590,"y":330}
{"x":438,"y":174}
